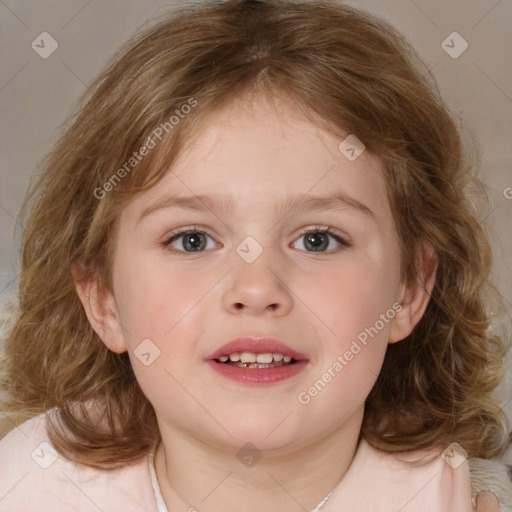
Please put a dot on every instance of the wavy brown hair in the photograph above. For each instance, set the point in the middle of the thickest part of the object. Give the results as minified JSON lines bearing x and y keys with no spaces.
{"x":351,"y":73}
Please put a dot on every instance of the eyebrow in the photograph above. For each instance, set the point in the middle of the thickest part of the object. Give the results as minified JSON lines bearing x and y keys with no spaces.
{"x":293,"y":203}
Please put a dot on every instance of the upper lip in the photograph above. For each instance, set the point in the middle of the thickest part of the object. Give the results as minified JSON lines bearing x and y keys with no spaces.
{"x":259,"y":345}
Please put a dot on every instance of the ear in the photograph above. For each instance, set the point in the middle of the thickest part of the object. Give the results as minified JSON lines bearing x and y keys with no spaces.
{"x":414,"y":297}
{"x":101,"y":309}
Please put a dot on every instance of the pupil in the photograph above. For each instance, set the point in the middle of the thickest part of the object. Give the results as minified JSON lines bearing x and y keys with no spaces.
{"x":315,"y":240}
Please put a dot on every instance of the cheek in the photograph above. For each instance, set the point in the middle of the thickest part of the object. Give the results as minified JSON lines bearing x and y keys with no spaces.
{"x":336,"y":393}
{"x":353,"y":297}
{"x":153,"y":300}
{"x":357,"y":307}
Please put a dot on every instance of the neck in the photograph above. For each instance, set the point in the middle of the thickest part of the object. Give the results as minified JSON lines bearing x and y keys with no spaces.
{"x":193,"y":474}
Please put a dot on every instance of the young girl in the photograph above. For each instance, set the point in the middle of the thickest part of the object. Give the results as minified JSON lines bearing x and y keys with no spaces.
{"x":250,"y":281}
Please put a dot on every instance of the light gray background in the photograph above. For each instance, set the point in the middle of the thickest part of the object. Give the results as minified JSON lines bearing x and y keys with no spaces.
{"x":36,"y":94}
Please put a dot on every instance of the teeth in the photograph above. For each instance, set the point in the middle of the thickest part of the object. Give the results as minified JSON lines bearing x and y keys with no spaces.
{"x":251,"y":357}
{"x":247,"y":357}
{"x":264,"y":358}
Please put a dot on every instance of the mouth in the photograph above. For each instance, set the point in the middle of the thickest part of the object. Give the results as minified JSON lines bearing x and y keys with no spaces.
{"x":257,"y":361}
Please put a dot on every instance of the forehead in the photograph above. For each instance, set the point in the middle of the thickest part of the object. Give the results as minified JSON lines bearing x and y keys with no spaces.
{"x":260,"y":128}
{"x":257,"y":151}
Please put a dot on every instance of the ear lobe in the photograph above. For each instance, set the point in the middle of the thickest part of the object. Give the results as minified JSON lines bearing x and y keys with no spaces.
{"x":414,"y":297}
{"x":101,"y":310}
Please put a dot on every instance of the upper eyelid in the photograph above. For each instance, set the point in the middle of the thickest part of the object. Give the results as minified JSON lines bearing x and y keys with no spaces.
{"x":330,"y":231}
{"x":183,"y":231}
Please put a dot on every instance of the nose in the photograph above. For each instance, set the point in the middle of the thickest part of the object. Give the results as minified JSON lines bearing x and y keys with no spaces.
{"x":257,"y":288}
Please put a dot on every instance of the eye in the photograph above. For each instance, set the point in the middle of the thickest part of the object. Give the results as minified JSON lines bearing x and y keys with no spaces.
{"x":188,"y":240}
{"x":318,"y":239}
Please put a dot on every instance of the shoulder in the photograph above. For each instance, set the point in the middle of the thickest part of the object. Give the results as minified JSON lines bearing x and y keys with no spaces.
{"x":33,"y":476}
{"x":441,"y":478}
{"x":422,"y":481}
{"x":18,"y":449}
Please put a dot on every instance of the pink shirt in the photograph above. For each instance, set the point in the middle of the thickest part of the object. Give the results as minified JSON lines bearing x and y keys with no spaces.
{"x":34,"y":478}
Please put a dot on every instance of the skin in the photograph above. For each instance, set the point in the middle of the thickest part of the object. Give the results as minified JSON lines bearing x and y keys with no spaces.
{"x":487,"y":502}
{"x":191,"y":303}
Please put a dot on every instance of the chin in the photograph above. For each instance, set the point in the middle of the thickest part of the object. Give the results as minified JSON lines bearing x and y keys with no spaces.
{"x":271,"y":434}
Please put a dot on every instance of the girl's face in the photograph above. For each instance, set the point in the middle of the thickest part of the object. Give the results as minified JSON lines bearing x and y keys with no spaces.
{"x":264,"y":176}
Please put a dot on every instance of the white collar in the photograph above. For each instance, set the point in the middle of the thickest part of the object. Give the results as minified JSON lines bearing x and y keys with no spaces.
{"x":160,"y":503}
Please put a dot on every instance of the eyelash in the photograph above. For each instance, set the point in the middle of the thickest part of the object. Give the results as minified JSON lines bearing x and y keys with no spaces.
{"x":175,"y":235}
{"x":344,"y":244}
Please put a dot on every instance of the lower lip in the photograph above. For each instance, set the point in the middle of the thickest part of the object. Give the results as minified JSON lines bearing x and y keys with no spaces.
{"x":258,"y":376}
